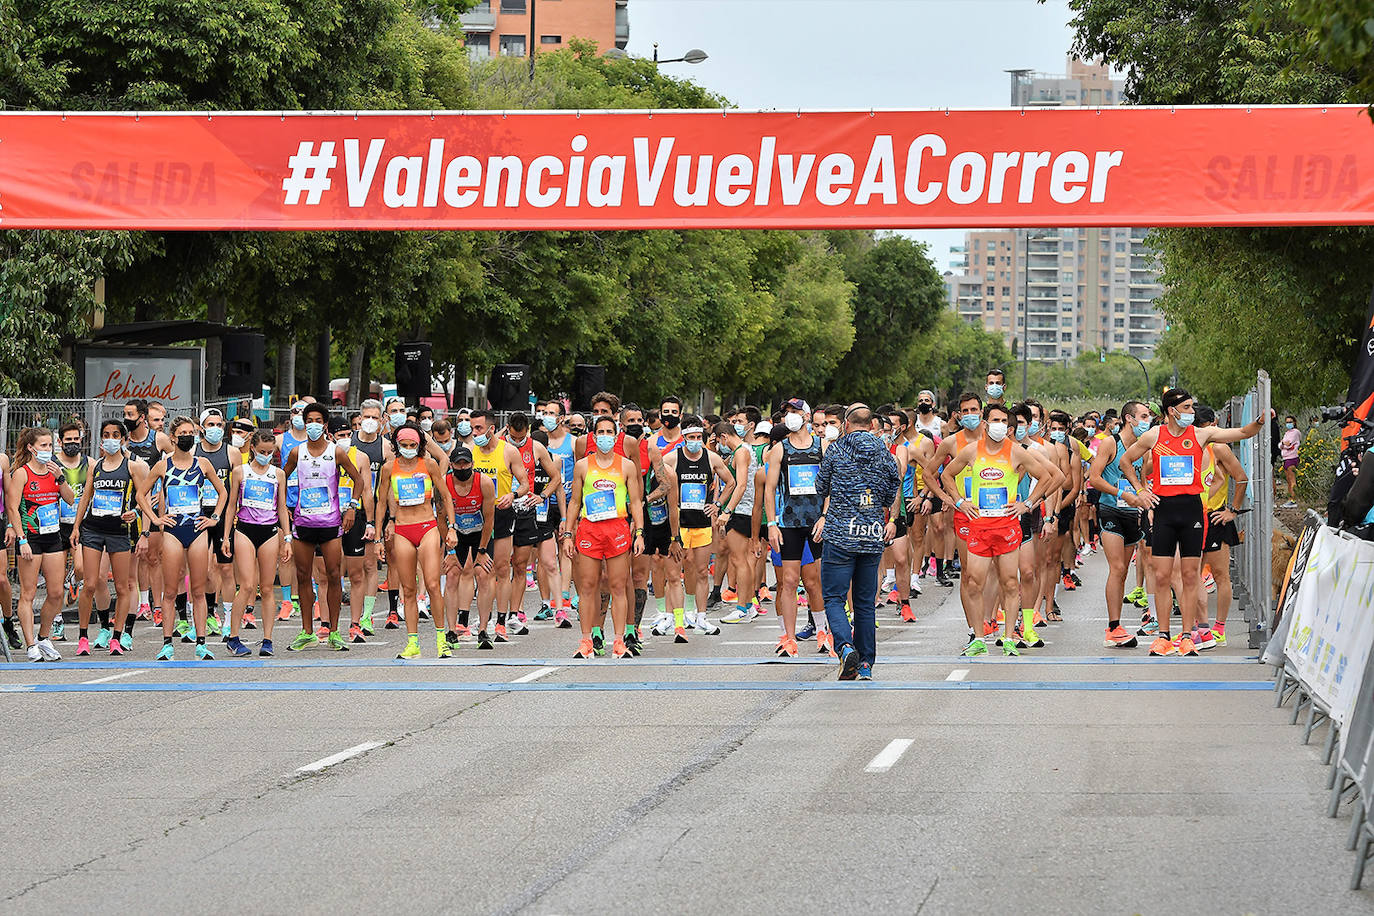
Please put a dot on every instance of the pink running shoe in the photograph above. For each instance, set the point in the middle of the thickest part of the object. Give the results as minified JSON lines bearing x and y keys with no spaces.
{"x":561,"y":619}
{"x":83,"y":646}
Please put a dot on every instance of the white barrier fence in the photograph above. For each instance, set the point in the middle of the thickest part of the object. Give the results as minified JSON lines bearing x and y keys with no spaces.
{"x":1321,"y":648}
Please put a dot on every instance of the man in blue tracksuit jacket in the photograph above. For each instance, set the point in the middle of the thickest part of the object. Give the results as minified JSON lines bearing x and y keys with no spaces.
{"x":858,"y":479}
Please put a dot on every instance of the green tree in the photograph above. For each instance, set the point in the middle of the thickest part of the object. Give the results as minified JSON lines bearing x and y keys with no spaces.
{"x":955,"y":356}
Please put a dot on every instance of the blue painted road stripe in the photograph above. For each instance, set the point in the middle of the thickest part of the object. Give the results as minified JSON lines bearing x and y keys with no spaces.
{"x":667,"y":686}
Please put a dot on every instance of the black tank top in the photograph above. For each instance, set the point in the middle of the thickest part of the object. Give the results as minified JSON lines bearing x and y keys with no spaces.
{"x":219,"y":460}
{"x":694,"y":489}
{"x":112,"y":495}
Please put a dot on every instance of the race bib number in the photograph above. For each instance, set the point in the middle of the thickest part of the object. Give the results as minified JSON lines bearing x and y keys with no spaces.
{"x":107,"y":503}
{"x":208,"y":496}
{"x":658,"y":512}
{"x":46,"y":516}
{"x":260,"y":494}
{"x":410,"y":491}
{"x":992,"y":502}
{"x":314,"y":501}
{"x":1176,"y":470}
{"x":599,"y":506}
{"x":183,"y":499}
{"x":541,"y":511}
{"x":693,"y":496}
{"x":66,"y":511}
{"x":469,"y":522}
{"x":801,"y":479}
{"x":345,"y":493}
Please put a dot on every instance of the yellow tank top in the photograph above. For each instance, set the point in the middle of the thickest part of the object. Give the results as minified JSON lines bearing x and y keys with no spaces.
{"x":411,"y":488}
{"x":494,"y":466}
{"x":965,"y":477}
{"x":1213,"y":474}
{"x":346,"y":482}
{"x":604,"y":493}
{"x":994,"y":481}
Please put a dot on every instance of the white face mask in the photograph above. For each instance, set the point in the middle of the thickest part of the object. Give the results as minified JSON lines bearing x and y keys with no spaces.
{"x":793,"y":422}
{"x":426,"y":424}
{"x":370,"y":425}
{"x":997,"y":431}
{"x":238,"y":439}
{"x":832,"y":433}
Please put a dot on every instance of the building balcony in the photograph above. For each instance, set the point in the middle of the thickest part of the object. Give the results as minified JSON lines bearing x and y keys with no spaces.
{"x":479,"y":19}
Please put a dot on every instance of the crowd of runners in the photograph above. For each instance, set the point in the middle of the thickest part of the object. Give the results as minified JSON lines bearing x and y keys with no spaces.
{"x":632,"y":524}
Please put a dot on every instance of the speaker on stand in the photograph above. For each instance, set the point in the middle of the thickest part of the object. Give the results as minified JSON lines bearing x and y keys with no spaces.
{"x":412,"y":370}
{"x":588,"y":381}
{"x":509,"y":388}
{"x":242,"y":363}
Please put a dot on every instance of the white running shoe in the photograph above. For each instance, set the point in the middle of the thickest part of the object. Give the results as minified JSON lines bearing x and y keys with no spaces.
{"x":34,"y":654}
{"x":740,"y":615}
{"x":915,"y":588}
{"x":703,"y":625}
{"x":47,"y":651}
{"x":662,"y":625}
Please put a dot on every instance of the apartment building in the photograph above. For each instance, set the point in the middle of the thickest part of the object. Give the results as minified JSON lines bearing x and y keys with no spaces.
{"x":502,"y":27}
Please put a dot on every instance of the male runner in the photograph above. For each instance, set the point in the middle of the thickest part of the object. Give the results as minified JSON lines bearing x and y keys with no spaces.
{"x":501,"y":461}
{"x":1118,"y":514}
{"x":793,"y":510}
{"x":1221,"y":469}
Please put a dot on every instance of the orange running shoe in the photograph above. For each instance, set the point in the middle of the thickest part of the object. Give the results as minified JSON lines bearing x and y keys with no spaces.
{"x":1001,"y":618}
{"x":826,"y":640}
{"x":788,"y":647}
{"x":157,"y":616}
{"x":728,"y":595}
{"x":1038,"y":620}
{"x":989,"y":629}
{"x":285,"y":611}
{"x":1163,"y":646}
{"x":1185,"y":645}
{"x":501,"y":633}
{"x":679,"y":634}
{"x":1118,"y":638}
{"x":765,"y":594}
{"x":618,"y":648}
{"x":908,"y":614}
{"x":584,"y":648}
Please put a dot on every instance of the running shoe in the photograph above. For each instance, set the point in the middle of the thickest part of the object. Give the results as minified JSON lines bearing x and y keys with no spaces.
{"x":975,"y":649}
{"x":802,"y":600}
{"x":457,"y":633}
{"x":1031,"y":639}
{"x":849,"y":663}
{"x":249,"y":621}
{"x":786,"y":647}
{"x":679,"y":635}
{"x":181,"y":628}
{"x":48,"y":651}
{"x":1009,"y":648}
{"x":1065,"y":581}
{"x":1163,"y":646}
{"x":1077,"y":582}
{"x":1118,"y":638}
{"x":915,"y":588}
{"x":989,"y":629}
{"x":11,"y":627}
{"x":212,"y":622}
{"x":321,"y":632}
{"x":83,"y":646}
{"x":618,"y":649}
{"x":598,"y":642}
{"x":355,"y":634}
{"x":759,"y":610}
{"x":304,"y":640}
{"x":144,"y":612}
{"x":116,"y":648}
{"x":714,"y":598}
{"x":224,"y":627}
{"x":365,"y":624}
{"x":944,"y":580}
{"x":633,"y":644}
{"x":336,"y":641}
{"x":284,"y":612}
{"x":33,"y":653}
{"x":702,"y":624}
{"x":1038,"y":620}
{"x":102,"y":639}
{"x":561,"y":620}
{"x":887,"y":585}
{"x":807,"y":632}
{"x":572,"y":602}
{"x":421,"y":607}
{"x":893,"y":597}
{"x":441,"y":645}
{"x":501,"y":633}
{"x":764,"y":594}
{"x":412,"y":649}
{"x":484,"y":640}
{"x":204,"y":654}
{"x":584,"y":648}
{"x":1185,"y":645}
{"x":1219,"y":633}
{"x":1177,"y":612}
{"x":265,"y":649}
{"x":1138,"y":597}
{"x":1148,"y":627}
{"x":544,"y":613}
{"x":825,"y":643}
{"x":739,"y":615}
{"x":393,"y":621}
{"x":865,"y":671}
{"x":1204,"y":638}
{"x":166,"y":654}
{"x":236,"y":648}
{"x":59,"y":629}
{"x":519,"y":627}
{"x":71,"y":588}
{"x":1002,"y":619}
{"x":1209,"y":582}
{"x":126,"y":641}
{"x":662,"y":625}
{"x":908,"y":614}
{"x":728,"y":595}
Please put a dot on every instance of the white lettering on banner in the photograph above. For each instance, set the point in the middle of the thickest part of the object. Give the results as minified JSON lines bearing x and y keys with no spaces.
{"x":930,"y":171}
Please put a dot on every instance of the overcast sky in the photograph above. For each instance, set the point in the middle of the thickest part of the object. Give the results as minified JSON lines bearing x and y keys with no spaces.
{"x":857,"y":53}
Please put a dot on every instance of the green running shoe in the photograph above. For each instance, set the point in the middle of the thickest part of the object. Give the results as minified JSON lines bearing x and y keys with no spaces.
{"x":412,"y":649}
{"x":336,"y":641}
{"x":182,"y":628}
{"x":975,"y":649}
{"x":365,"y":623}
{"x":102,"y":639}
{"x":166,"y":654}
{"x":1009,"y":648}
{"x":304,"y":640}
{"x":441,"y":645}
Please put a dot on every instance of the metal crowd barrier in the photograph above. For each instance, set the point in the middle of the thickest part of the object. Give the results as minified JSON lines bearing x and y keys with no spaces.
{"x":1251,"y":560}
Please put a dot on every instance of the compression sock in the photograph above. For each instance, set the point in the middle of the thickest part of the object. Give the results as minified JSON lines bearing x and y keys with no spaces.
{"x":641,"y":599}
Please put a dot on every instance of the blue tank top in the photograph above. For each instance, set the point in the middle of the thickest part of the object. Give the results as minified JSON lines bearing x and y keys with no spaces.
{"x":289,"y":442}
{"x":797,"y":473}
{"x":1112,"y":475}
{"x":183,"y":492}
{"x":567,"y":459}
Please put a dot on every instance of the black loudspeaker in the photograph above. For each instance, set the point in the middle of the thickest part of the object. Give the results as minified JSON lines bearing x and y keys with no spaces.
{"x":588,"y":381}
{"x":412,"y":369}
{"x":241,"y":363}
{"x":510,"y":387}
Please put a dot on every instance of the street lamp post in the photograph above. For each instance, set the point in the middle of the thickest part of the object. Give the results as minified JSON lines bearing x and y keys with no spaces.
{"x":694,"y":56}
{"x":1025,"y":313}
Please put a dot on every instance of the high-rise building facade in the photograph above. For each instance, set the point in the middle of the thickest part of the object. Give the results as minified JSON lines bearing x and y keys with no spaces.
{"x":502,"y":27}
{"x":1064,"y":290}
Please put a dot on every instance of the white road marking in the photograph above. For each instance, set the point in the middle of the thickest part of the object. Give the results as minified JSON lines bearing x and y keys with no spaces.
{"x":889,"y":755}
{"x":958,"y":674}
{"x":115,"y":677}
{"x":340,"y":757}
{"x":534,"y":675}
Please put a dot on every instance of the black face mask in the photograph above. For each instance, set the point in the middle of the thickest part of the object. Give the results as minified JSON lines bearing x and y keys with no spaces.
{"x":71,"y":449}
{"x":925,"y":408}
{"x":462,"y":473}
{"x":131,"y":425}
{"x":186,"y":443}
{"x":634,"y":430}
{"x":670,"y":421}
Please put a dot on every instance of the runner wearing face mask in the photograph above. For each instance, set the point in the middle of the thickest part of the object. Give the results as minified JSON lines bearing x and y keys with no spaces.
{"x":356,"y":539}
{"x":1119,"y":515}
{"x":562,"y":444}
{"x":468,"y":565}
{"x":220,"y":574}
{"x":1063,"y":452}
{"x":670,"y":415}
{"x":32,"y":494}
{"x":793,"y":509}
{"x":258,"y":533}
{"x":700,"y":474}
{"x":147,"y":445}
{"x":288,"y":440}
{"x":75,"y":468}
{"x":969,"y":431}
{"x":996,"y":386}
{"x":531,"y":511}
{"x":649,"y":462}
{"x":375,"y":448}
{"x":502,"y":462}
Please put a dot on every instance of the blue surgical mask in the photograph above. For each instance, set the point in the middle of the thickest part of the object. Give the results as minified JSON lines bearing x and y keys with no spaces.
{"x":111,"y":446}
{"x":408,"y":451}
{"x":692,"y":446}
{"x":1289,"y":425}
{"x":1034,"y":427}
{"x":550,"y":422}
{"x":605,"y":442}
{"x":481,"y":440}
{"x":313,"y":431}
{"x":1185,"y":420}
{"x":1021,"y":433}
{"x":263,"y":458}
{"x":1142,"y":427}
{"x":447,"y":446}
{"x":969,"y":421}
{"x":297,"y":421}
{"x":995,"y":391}
{"x":397,"y":418}
{"x":1056,"y":435}
{"x":43,"y":457}
{"x":214,"y":434}
{"x":464,"y":428}
{"x":740,"y":430}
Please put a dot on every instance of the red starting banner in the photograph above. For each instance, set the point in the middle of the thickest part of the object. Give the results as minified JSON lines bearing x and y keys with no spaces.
{"x":689,"y":169}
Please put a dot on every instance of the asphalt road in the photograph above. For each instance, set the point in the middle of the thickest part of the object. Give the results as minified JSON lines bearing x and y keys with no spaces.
{"x":697,"y":779}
